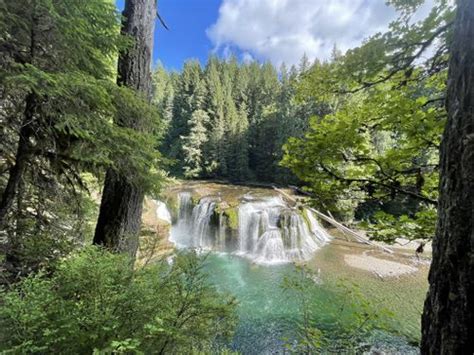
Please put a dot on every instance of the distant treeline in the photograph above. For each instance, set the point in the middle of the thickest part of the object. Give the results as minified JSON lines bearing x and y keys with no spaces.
{"x":230,"y":120}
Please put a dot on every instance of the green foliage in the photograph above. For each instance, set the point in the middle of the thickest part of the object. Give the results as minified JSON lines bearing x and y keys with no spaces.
{"x":57,"y":85}
{"x":376,"y":147}
{"x":194,"y":143}
{"x":387,"y":226}
{"x":163,"y":94}
{"x":233,"y":215}
{"x":95,"y":302}
{"x":230,"y":120}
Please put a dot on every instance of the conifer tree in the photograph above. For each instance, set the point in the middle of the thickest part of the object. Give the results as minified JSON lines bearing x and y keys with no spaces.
{"x":163,"y":94}
{"x":448,"y":317}
{"x":184,"y":104}
{"x":239,"y":154}
{"x":216,"y":147}
{"x":54,"y":81}
{"x":304,"y":64}
{"x":232,"y":124}
{"x":250,"y":110}
{"x":264,"y":125}
{"x":193,"y":144}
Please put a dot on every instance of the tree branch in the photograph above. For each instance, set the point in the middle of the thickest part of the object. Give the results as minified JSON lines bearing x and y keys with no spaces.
{"x":381,"y":184}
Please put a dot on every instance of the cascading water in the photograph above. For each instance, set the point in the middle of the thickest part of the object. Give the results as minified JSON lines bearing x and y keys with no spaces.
{"x":201,"y":226}
{"x":193,"y":227}
{"x":162,"y":212}
{"x":181,"y":234}
{"x":269,"y":231}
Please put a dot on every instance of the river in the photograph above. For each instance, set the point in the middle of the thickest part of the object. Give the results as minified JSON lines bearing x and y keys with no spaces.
{"x":350,"y":279}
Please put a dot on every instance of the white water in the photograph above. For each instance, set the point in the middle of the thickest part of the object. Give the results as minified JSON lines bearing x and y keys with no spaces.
{"x":201,"y":226}
{"x":181,"y":234}
{"x":162,"y":212}
{"x":269,"y":230}
{"x":272,"y":232}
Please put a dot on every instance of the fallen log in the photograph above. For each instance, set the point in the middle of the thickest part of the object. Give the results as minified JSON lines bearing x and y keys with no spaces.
{"x":338,"y":225}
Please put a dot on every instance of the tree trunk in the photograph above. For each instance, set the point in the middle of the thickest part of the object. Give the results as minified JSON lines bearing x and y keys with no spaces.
{"x":120,"y":213}
{"x":448,"y":317}
{"x":24,"y":145}
{"x":21,"y":160}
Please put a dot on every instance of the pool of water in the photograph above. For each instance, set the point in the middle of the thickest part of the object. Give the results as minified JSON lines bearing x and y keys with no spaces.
{"x":268,"y":313}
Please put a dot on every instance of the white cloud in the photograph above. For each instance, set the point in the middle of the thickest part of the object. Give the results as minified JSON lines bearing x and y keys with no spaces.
{"x":283,"y":30}
{"x":247,"y":57}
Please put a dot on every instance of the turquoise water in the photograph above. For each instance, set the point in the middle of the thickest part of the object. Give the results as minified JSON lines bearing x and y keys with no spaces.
{"x":268,"y":313}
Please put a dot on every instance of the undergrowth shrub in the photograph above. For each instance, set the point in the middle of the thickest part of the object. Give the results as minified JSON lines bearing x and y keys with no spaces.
{"x":94,"y":302}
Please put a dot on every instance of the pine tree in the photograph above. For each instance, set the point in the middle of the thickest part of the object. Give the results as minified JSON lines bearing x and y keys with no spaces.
{"x":288,"y":124}
{"x":163,"y":94}
{"x":239,"y":153}
{"x":304,"y":64}
{"x":263,"y":129}
{"x":193,"y":144}
{"x":54,"y":82}
{"x":216,"y":148}
{"x":183,"y":106}
{"x":336,"y":53}
{"x":232,"y":122}
{"x":251,"y":112}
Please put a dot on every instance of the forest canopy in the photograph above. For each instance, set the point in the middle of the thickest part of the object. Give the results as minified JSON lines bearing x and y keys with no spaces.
{"x":229,"y":120}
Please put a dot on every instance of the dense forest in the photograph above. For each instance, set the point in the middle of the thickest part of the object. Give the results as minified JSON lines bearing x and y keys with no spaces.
{"x":229,"y":120}
{"x":379,"y":138}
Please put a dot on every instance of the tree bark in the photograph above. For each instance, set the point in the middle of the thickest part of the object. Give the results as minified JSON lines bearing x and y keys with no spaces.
{"x":448,"y":317}
{"x":21,"y":160}
{"x":120,"y":213}
{"x":26,"y":131}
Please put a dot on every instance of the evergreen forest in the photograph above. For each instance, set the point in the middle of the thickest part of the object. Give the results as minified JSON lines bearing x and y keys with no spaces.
{"x":236,"y":204}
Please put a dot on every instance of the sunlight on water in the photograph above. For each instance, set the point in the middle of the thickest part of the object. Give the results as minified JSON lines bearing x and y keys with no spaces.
{"x":268,"y":313}
{"x":252,"y":268}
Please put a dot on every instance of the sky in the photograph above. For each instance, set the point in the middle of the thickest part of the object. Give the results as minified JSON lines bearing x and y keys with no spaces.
{"x":274,"y":30}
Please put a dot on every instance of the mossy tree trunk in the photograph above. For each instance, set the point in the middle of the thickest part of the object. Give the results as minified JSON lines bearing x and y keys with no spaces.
{"x":448,"y":318}
{"x":119,"y":220}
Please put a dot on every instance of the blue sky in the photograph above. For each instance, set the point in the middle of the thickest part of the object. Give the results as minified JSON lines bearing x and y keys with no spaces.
{"x":187,"y":38}
{"x":274,"y":30}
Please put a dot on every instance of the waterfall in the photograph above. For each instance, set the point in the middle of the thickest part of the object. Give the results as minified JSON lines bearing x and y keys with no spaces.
{"x":162,"y":212}
{"x":194,"y":227}
{"x":181,"y":234}
{"x":259,"y":235}
{"x":185,"y":206}
{"x":316,"y":228}
{"x":201,"y":223}
{"x":269,"y":230}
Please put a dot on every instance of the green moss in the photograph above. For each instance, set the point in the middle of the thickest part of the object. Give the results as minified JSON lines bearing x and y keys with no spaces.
{"x":232,"y":215}
{"x":195,"y":199}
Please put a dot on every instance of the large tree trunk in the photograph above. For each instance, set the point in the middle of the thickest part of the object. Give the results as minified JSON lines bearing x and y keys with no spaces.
{"x":119,"y":220}
{"x":448,"y":317}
